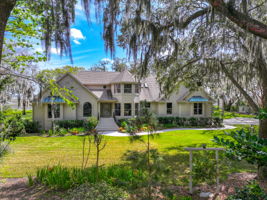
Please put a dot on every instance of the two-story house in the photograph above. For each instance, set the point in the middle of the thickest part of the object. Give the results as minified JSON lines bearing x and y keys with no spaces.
{"x":119,"y":94}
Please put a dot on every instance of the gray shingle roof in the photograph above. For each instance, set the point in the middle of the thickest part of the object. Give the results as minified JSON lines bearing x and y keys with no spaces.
{"x":95,"y":78}
{"x":150,"y":90}
{"x":124,"y":77}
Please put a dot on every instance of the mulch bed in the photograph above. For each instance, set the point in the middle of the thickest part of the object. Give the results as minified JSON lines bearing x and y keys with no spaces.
{"x":18,"y":189}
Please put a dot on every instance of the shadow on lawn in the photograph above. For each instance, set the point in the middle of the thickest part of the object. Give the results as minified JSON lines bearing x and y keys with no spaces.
{"x":178,"y":161}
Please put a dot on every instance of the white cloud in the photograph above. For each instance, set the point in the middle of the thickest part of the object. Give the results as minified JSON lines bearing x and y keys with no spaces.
{"x":76,"y":34}
{"x":76,"y":42}
{"x":107,"y":60}
{"x":55,"y":50}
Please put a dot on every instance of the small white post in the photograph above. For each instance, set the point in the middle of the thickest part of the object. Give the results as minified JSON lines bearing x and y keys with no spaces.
{"x":217,"y":171}
{"x":191,"y":171}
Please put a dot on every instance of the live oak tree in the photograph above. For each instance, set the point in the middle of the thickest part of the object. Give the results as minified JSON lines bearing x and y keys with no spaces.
{"x":192,"y":41}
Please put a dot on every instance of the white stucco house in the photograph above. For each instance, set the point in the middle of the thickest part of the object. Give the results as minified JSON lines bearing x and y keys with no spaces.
{"x":108,"y":94}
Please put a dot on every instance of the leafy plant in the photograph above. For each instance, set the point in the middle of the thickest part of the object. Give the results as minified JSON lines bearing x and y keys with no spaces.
{"x":251,"y":191}
{"x":91,"y":123}
{"x":13,"y":127}
{"x":31,"y":126}
{"x":244,"y":145}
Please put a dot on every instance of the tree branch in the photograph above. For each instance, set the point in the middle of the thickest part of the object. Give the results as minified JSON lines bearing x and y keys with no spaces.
{"x":240,"y":19}
{"x":192,"y":17}
{"x":242,"y":91}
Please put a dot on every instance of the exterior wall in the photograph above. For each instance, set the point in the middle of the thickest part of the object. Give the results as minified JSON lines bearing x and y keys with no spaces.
{"x":38,"y":113}
{"x":84,"y":96}
{"x":69,"y":113}
{"x":126,"y":98}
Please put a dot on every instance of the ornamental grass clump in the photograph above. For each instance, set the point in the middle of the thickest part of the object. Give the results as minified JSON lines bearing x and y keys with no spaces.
{"x":60,"y":177}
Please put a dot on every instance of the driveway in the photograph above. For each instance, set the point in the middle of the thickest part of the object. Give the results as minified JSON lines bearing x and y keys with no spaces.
{"x":241,"y":120}
{"x":119,"y":134}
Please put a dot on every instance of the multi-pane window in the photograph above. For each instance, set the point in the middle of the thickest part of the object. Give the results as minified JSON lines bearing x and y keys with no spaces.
{"x":56,"y":108}
{"x":127,"y":109}
{"x":198,"y":108}
{"x":117,"y":109}
{"x":117,"y":88}
{"x":137,"y":88}
{"x":169,"y":108}
{"x":87,"y":109}
{"x":136,"y":108}
{"x":127,"y":88}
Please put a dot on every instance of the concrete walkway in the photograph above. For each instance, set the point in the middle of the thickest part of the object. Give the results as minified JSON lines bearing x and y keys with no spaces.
{"x":241,"y":120}
{"x":119,"y":134}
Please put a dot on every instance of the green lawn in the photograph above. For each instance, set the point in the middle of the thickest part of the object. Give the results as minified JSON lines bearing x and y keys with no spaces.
{"x":229,"y":115}
{"x":29,"y":153}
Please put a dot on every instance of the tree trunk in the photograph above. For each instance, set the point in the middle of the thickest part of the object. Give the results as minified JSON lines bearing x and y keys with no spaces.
{"x":24,"y":107}
{"x":6,"y":6}
{"x":250,"y":101}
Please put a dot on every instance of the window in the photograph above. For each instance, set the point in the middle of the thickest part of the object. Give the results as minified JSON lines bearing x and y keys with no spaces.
{"x":127,"y":88}
{"x":87,"y":109}
{"x":169,"y":108}
{"x":127,"y":109}
{"x":147,"y":105}
{"x":136,"y":107}
{"x":198,"y":108}
{"x":137,"y":88}
{"x":117,"y":109}
{"x":56,"y":108}
{"x":117,"y":88}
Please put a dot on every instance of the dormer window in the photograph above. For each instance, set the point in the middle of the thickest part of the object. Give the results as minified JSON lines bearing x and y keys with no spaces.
{"x":127,"y":88}
{"x":117,"y":88}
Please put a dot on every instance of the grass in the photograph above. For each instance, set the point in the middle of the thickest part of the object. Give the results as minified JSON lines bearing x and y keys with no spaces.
{"x":32,"y":152}
{"x":230,"y":115}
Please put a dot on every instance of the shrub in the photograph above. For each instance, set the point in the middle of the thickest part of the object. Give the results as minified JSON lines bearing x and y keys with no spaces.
{"x":91,"y":123}
{"x":64,"y":178}
{"x":61,"y":132}
{"x":68,"y":124}
{"x":251,"y":191}
{"x":192,"y":121}
{"x":31,"y":126}
{"x":13,"y":127}
{"x":98,"y":191}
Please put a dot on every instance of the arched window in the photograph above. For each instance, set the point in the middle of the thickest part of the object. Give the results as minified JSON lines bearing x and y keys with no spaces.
{"x":87,"y":109}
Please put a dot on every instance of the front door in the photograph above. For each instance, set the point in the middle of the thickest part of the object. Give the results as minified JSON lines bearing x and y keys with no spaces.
{"x":105,"y":110}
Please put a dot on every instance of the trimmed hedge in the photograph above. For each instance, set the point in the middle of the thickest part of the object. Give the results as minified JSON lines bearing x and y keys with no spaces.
{"x":70,"y":123}
{"x":31,"y":126}
{"x":185,"y":122}
{"x":192,"y":121}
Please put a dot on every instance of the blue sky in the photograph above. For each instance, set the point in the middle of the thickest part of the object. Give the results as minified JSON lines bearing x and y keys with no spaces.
{"x":87,"y":45}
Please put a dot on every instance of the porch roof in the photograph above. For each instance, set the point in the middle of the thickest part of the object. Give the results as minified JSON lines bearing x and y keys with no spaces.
{"x":197,"y":99}
{"x":50,"y":99}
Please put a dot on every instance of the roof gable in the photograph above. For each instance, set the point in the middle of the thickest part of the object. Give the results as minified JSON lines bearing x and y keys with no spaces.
{"x":124,"y":77}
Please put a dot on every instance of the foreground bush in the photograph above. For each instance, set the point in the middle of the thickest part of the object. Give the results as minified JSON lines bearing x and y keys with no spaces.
{"x":98,"y":191}
{"x":251,"y":191}
{"x":65,"y":178}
